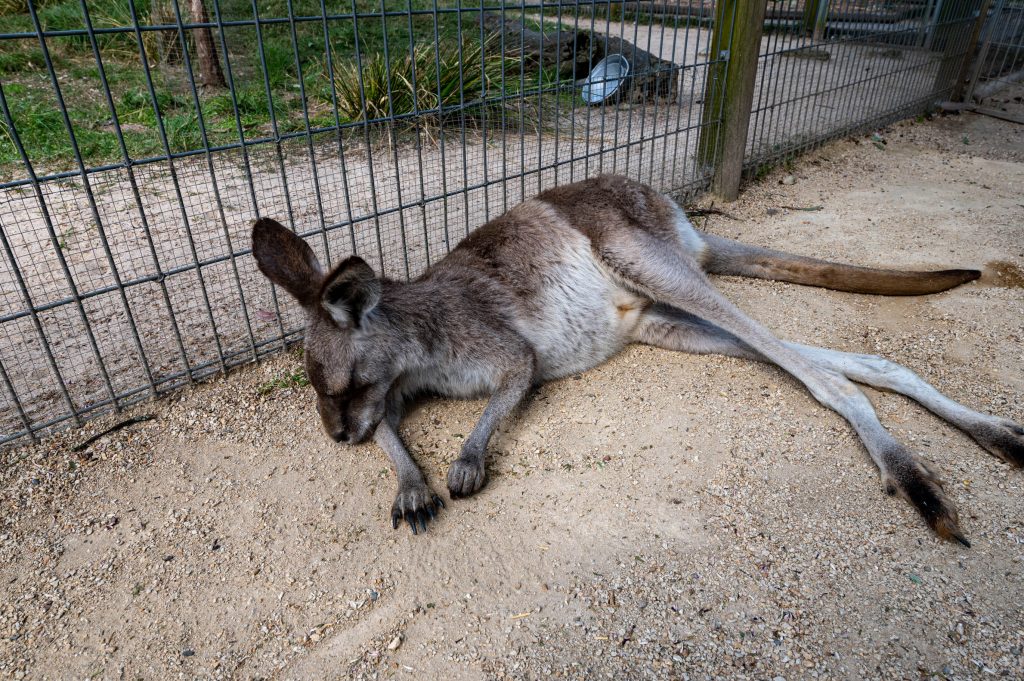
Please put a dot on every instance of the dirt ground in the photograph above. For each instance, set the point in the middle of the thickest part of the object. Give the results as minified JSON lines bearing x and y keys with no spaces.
{"x":663,"y":516}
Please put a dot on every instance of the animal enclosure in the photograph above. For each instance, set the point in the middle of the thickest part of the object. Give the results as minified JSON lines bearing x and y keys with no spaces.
{"x":139,"y":140}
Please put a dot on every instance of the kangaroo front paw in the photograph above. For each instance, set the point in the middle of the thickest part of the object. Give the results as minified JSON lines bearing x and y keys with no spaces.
{"x":1002,"y":438}
{"x":919,"y":485}
{"x":466,"y":475}
{"x":415,"y":504}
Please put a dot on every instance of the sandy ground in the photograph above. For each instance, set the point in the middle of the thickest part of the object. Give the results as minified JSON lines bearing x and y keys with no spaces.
{"x":663,"y":516}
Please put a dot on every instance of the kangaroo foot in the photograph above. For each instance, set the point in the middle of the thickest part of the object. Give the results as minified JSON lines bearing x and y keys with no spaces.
{"x":415,"y":503}
{"x":1002,"y":438}
{"x":466,"y":475}
{"x":918,"y":484}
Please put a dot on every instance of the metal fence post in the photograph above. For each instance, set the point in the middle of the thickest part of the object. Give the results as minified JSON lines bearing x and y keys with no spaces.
{"x":947,"y":38}
{"x":729,"y":92}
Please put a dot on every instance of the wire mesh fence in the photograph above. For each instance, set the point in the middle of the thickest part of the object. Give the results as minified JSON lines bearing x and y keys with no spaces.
{"x":139,"y":140}
{"x":830,"y":69}
{"x":1000,"y":58}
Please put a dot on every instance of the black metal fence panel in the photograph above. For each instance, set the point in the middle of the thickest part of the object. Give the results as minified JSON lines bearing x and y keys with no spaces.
{"x":1000,"y":58}
{"x":132,"y":162}
{"x":829,"y":69}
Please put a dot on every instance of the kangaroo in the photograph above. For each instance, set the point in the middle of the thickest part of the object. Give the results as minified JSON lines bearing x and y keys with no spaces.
{"x":561,"y":283}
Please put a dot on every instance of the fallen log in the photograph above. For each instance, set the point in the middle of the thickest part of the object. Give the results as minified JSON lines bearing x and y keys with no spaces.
{"x":568,"y":51}
{"x":576,"y":52}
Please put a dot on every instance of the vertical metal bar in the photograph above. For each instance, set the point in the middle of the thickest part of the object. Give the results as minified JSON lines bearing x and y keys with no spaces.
{"x":483,"y":113}
{"x":17,"y":403}
{"x":573,"y":95}
{"x":136,"y":195}
{"x":213,"y":179}
{"x":440,"y":129}
{"x":462,"y":122}
{"x":616,"y":148}
{"x":417,"y":123}
{"x":692,"y":96}
{"x":174,"y":179}
{"x":240,"y":131}
{"x":654,"y":116}
{"x":677,"y":75}
{"x":589,"y":108}
{"x":309,"y":134}
{"x":504,"y":115}
{"x":27,"y":297}
{"x":642,"y":105}
{"x":394,"y":139}
{"x":558,"y":87}
{"x":366,"y":136}
{"x":522,"y":104}
{"x":844,"y":95}
{"x":328,"y":51}
{"x":933,"y":24}
{"x":540,"y":105}
{"x":261,"y":50}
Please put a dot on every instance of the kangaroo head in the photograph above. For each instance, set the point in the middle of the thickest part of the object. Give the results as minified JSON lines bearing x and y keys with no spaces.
{"x":346,"y":363}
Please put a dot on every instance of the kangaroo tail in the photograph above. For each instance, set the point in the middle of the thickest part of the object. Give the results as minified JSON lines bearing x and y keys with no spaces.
{"x":725,"y":256}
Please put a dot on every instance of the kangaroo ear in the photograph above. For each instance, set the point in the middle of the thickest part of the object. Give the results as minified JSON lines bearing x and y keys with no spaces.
{"x":350,"y":292}
{"x":287,"y":260}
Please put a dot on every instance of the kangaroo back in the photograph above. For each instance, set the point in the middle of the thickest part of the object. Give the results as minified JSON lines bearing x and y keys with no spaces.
{"x":725,"y":256}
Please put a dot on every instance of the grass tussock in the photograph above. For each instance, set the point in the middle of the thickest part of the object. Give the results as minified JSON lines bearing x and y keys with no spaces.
{"x":437,"y":85}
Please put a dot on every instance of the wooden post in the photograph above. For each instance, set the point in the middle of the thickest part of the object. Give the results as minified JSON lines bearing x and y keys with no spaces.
{"x":810,"y":15}
{"x":820,"y":20}
{"x":970,"y":58}
{"x":949,"y":38}
{"x":206,"y":51}
{"x":729,"y":92}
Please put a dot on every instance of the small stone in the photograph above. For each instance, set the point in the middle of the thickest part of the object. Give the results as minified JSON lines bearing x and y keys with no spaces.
{"x":188,"y":652}
{"x":788,"y":179}
{"x":395,"y":642}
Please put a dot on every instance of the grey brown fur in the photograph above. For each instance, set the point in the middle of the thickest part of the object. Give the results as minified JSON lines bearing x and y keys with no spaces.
{"x":558,"y":285}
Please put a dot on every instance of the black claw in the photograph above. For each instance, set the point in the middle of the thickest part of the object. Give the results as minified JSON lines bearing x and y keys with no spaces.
{"x":432,"y":511}
{"x":411,"y":519}
{"x":422,"y":517}
{"x":394,"y":519}
{"x":438,"y":501}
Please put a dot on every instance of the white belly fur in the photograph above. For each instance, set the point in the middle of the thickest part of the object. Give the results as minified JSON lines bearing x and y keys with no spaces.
{"x":582,"y":317}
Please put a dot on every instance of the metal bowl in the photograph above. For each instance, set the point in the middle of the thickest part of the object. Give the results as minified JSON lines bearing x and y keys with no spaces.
{"x":605,"y":79}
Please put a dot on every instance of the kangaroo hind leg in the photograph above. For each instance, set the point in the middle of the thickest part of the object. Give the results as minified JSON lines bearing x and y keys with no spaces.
{"x":661,"y":270}
{"x":666,"y":327}
{"x":1000,"y":437}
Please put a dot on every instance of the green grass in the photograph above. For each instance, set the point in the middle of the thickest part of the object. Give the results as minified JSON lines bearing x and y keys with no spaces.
{"x":292,"y":379}
{"x":408,"y":44}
